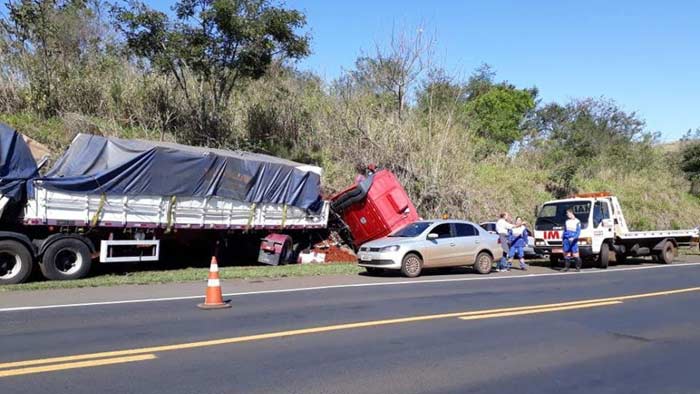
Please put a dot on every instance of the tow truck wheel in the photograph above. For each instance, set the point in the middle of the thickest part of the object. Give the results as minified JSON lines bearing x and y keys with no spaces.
{"x":65,"y":259}
{"x":668,"y":253}
{"x":604,"y":258}
{"x":15,"y":263}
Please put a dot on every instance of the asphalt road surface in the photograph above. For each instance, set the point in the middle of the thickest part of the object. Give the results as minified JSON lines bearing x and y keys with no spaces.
{"x":623,"y":331}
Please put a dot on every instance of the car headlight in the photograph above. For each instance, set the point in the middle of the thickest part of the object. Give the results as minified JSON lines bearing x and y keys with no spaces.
{"x":364,"y":249}
{"x":584,"y":241}
{"x":539,"y":243}
{"x":392,"y":248}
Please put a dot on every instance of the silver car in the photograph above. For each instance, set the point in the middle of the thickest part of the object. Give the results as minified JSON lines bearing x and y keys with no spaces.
{"x":431,"y":243}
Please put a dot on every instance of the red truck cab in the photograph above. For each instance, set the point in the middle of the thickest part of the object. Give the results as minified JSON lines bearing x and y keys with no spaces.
{"x":374,"y":207}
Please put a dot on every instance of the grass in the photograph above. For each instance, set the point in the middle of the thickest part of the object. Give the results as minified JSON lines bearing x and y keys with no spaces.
{"x":191,"y":274}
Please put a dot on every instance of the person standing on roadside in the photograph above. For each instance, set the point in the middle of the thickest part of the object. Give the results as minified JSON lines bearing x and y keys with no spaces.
{"x":503,"y":227}
{"x":572,"y":230}
{"x":518,"y":240}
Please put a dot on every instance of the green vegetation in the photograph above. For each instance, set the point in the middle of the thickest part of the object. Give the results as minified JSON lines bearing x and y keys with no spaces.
{"x":191,"y":274}
{"x":222,"y":74}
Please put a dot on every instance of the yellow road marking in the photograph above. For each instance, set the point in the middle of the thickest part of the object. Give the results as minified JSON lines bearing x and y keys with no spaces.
{"x":491,"y":313}
{"x":79,"y":364}
{"x":541,"y":310}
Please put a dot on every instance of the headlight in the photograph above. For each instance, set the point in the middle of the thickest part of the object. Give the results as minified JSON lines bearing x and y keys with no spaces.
{"x":364,"y":249}
{"x":392,"y":248}
{"x":584,"y":241}
{"x":539,"y":243}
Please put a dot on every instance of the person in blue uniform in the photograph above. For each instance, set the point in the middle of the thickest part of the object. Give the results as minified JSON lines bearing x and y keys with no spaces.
{"x":517,"y":237}
{"x":572,"y":231}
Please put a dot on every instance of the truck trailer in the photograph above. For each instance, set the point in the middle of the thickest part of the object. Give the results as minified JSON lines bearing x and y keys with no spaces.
{"x":113,"y":200}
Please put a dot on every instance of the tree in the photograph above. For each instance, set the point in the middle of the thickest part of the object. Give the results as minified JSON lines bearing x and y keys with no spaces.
{"x":51,"y":43}
{"x":211,"y":46}
{"x":497,"y":115}
{"x":577,"y":135}
{"x":393,"y":70}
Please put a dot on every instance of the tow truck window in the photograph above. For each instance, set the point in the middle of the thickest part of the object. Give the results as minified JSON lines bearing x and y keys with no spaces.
{"x":554,"y":215}
{"x":600,"y":212}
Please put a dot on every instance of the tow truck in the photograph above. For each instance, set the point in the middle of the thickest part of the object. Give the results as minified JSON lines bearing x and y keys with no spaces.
{"x":604,"y":232}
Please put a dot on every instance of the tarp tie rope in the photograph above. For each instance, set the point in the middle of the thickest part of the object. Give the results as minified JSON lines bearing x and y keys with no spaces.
{"x":252,"y":215}
{"x":284,"y":215}
{"x":171,"y":206}
{"x":96,"y":216}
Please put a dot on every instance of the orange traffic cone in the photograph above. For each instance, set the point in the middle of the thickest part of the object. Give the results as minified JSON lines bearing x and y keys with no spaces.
{"x":214,"y":298}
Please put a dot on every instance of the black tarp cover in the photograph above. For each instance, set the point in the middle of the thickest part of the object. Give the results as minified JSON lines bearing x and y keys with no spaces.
{"x":95,"y":165}
{"x":16,"y":164}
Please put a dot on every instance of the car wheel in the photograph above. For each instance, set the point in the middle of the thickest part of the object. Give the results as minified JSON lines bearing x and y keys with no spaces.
{"x":412,"y":265}
{"x":483,"y":263}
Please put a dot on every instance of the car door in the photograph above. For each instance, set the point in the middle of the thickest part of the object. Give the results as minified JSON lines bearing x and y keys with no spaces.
{"x":467,"y":241}
{"x":438,"y":252}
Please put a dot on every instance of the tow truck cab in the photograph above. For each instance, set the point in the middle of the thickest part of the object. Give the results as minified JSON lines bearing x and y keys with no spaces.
{"x":597,"y":225}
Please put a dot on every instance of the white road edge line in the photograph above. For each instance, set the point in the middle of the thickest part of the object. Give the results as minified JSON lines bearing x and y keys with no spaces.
{"x":370,"y":284}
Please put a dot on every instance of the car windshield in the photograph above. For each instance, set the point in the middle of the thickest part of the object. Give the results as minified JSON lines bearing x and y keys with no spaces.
{"x":412,"y":230}
{"x":554,"y":215}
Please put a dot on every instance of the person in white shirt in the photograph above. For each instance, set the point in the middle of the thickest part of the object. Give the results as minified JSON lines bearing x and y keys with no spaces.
{"x":518,"y":242}
{"x":503,"y":227}
{"x":572,"y":230}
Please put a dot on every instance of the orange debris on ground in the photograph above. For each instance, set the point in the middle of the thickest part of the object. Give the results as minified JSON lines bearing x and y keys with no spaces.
{"x":335,"y":252}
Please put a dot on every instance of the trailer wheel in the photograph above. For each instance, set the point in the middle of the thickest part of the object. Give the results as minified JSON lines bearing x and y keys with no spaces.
{"x":668,"y":253}
{"x":15,"y":262}
{"x":604,"y":257}
{"x":65,"y":259}
{"x":411,"y":265}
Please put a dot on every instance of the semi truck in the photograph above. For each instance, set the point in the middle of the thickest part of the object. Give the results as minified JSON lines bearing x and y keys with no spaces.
{"x":111,"y":200}
{"x":604,"y":232}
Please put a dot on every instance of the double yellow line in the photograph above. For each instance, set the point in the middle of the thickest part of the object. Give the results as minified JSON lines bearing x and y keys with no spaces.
{"x":148,"y":353}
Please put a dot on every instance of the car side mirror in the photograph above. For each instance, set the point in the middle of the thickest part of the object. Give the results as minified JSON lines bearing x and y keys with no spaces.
{"x":433,"y":236}
{"x":537,"y":210}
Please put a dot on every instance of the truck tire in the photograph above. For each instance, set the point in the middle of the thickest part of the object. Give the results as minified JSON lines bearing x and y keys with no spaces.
{"x":668,"y":253}
{"x":411,"y":266}
{"x":604,"y":257}
{"x":16,"y":262}
{"x":483,"y":263}
{"x":66,"y":259}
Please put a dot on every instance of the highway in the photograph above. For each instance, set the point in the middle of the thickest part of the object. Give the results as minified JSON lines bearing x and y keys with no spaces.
{"x":622,"y":331}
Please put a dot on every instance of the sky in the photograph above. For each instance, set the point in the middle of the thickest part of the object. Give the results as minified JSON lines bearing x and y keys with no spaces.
{"x":643,"y":54}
